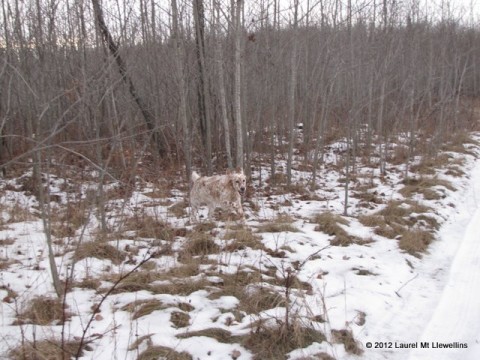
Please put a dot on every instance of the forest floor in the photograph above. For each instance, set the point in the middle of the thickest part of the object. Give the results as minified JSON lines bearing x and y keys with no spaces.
{"x":298,"y":280}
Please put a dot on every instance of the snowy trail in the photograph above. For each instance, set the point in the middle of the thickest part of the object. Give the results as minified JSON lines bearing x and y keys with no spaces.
{"x":456,"y":319}
{"x":441,"y":302}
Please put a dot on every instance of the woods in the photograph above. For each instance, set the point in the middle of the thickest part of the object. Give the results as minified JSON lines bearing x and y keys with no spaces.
{"x":172,"y":79}
{"x":355,"y":122}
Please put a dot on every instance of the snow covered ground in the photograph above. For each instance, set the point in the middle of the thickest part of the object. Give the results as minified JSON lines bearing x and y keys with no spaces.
{"x":439,"y":309}
{"x":219,"y":303}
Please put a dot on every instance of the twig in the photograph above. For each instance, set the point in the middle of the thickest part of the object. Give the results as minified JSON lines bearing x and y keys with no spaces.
{"x":104,"y":297}
{"x":401,"y":287}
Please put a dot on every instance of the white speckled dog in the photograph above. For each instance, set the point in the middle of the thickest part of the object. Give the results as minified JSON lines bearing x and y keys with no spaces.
{"x":219,"y":191}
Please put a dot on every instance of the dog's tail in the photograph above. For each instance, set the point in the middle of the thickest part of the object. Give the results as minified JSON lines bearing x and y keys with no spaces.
{"x":195,"y":176}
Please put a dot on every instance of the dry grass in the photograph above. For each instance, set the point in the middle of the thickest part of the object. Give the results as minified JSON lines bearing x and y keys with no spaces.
{"x":345,"y":337}
{"x":137,"y":281}
{"x":179,"y":287}
{"x":179,"y":209}
{"x":242,"y":239}
{"x":100,"y":250}
{"x":147,"y":226}
{"x":415,"y":241}
{"x":164,"y":353}
{"x":328,"y":223}
{"x":269,"y":343}
{"x":71,"y":218}
{"x":87,"y":283}
{"x":44,"y":311}
{"x":253,"y":299}
{"x":371,"y":220}
{"x":143,"y":307}
{"x":200,"y":244}
{"x":52,"y":349}
{"x":221,"y":335}
{"x":179,"y":319}
{"x":424,"y":186}
{"x":282,"y":223}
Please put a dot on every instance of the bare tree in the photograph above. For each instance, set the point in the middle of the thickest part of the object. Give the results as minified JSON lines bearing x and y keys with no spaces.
{"x":291,"y":94}
{"x":221,"y":82}
{"x":237,"y":83}
{"x":179,"y":59}
{"x":158,"y":137}
{"x":203,"y":88}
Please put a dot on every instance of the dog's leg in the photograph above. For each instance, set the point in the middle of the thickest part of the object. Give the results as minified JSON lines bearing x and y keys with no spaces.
{"x":193,"y":213}
{"x":211,"y":212}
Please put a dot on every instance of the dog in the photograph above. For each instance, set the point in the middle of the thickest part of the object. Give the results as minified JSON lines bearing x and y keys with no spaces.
{"x":219,"y":191}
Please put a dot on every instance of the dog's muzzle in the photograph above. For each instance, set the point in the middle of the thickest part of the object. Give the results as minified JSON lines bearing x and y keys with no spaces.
{"x":241,"y":191}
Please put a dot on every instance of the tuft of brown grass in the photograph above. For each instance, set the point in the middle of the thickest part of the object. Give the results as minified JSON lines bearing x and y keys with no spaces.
{"x":162,"y":352}
{"x":179,"y":209}
{"x":143,"y":307}
{"x":221,"y":335}
{"x":44,"y":310}
{"x":428,"y":165}
{"x":51,"y":349}
{"x":179,"y":287}
{"x":424,"y":186}
{"x":415,"y":241}
{"x":100,"y":250}
{"x":282,"y":223}
{"x":88,"y":283}
{"x":273,"y":343}
{"x":345,"y":337}
{"x":371,"y":220}
{"x":242,"y":239}
{"x":179,"y":319}
{"x":71,"y":218}
{"x":328,"y":223}
{"x":147,"y":226}
{"x":200,"y":244}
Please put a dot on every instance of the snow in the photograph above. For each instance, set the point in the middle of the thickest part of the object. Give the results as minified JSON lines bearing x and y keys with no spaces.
{"x":406,"y":300}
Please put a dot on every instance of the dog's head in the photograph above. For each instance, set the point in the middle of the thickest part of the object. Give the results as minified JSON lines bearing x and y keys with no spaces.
{"x":238,"y":180}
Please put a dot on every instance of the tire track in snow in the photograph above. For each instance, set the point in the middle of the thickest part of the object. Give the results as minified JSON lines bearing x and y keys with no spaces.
{"x":456,"y":318}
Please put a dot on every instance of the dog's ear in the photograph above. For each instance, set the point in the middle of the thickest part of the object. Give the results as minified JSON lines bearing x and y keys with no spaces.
{"x":239,"y":170}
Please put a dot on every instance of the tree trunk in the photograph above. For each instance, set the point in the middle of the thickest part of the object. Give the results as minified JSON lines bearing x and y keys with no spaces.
{"x":203,"y":89}
{"x":237,"y":83}
{"x":179,"y":58}
{"x":158,"y":138}
{"x":291,"y":96}
{"x":221,"y":86}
